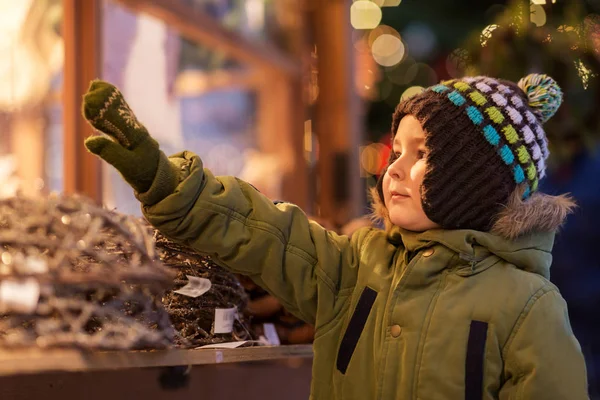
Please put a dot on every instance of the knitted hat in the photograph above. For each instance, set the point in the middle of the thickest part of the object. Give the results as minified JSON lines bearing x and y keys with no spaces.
{"x":484,"y":138}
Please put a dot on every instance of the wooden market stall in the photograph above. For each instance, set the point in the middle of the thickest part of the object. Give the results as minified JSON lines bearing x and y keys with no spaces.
{"x":285,"y":125}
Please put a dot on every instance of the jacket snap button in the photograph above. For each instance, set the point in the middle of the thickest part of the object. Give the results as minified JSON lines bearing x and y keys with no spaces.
{"x":428,"y":252}
{"x":396,"y":330}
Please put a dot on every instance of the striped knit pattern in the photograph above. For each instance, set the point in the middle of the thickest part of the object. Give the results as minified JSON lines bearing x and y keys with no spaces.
{"x":484,"y":140}
{"x":505,"y":122}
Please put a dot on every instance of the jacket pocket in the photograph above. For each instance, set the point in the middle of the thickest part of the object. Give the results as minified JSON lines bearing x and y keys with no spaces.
{"x":355,"y":328}
{"x":475,"y":360}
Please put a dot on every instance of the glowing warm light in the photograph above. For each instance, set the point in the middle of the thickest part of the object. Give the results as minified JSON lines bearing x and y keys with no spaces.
{"x":388,"y":50}
{"x":365,"y":15}
{"x":381,"y":30}
{"x":584,"y":73}
{"x":391,"y":3}
{"x":566,"y":28}
{"x":537,"y":15}
{"x":411,"y":91}
{"x":370,"y":158}
{"x":486,"y":34}
{"x":308,"y":135}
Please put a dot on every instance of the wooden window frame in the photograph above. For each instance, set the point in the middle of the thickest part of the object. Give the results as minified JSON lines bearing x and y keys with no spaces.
{"x":82,"y":36}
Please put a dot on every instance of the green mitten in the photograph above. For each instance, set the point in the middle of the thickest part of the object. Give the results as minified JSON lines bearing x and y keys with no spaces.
{"x":129,"y":148}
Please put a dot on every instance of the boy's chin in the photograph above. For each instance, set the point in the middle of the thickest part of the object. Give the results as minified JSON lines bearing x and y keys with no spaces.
{"x":413,"y":224}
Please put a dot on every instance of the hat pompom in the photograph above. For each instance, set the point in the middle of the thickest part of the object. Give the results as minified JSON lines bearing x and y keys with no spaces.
{"x":544,"y":94}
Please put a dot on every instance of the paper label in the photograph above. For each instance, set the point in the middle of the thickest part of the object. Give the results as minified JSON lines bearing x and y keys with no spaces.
{"x":227,"y":345}
{"x":35,"y":265}
{"x":224,"y":318}
{"x":20,"y":297}
{"x":271,"y":334}
{"x":195,"y":287}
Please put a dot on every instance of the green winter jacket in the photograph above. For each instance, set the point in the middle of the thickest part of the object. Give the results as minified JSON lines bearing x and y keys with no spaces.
{"x":398,"y":315}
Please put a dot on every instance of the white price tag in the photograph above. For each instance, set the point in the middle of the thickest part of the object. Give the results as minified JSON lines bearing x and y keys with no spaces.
{"x":224,"y":318}
{"x":35,"y":265}
{"x":21,"y":297}
{"x":227,"y":345}
{"x":195,"y":287}
{"x":271,"y":334}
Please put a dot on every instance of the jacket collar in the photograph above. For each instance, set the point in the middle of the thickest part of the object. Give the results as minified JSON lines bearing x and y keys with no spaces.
{"x":474,"y":251}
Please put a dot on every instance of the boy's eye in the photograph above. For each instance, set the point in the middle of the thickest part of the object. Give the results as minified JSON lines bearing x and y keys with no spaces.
{"x":396,"y":155}
{"x":421,"y":154}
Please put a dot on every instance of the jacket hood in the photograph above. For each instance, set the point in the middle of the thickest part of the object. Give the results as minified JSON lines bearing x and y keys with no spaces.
{"x":523,"y":234}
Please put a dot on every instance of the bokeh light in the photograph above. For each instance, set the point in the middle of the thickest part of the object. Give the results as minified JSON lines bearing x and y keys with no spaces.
{"x":378,"y":2}
{"x":486,"y":34}
{"x":381,"y":30}
{"x":386,"y":45}
{"x":385,"y":90}
{"x":537,"y":15}
{"x":391,"y":3}
{"x":403,"y":73}
{"x":591,"y":24}
{"x":388,"y":50}
{"x":566,"y":28}
{"x":365,"y":14}
{"x":370,"y":158}
{"x":420,"y":39}
{"x":411,"y":91}
{"x":426,"y":76}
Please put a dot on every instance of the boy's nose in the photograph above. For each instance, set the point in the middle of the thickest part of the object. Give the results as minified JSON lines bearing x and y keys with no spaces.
{"x":396,"y":171}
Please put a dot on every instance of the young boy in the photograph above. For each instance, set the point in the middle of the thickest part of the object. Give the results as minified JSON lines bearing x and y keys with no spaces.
{"x":451,"y":301}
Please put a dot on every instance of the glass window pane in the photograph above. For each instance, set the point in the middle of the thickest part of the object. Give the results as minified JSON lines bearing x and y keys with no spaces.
{"x":31,"y":45}
{"x":273,"y":21}
{"x":188,"y":96}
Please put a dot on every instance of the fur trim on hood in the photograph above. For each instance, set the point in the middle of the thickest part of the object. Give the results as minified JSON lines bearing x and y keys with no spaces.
{"x":539,"y":213}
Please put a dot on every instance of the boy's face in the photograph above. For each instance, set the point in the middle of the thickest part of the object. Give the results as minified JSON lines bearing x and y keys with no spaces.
{"x":404,"y":177}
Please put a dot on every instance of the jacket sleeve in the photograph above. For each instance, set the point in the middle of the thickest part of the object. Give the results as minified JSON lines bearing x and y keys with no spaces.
{"x":543,"y":359}
{"x":308,"y":268}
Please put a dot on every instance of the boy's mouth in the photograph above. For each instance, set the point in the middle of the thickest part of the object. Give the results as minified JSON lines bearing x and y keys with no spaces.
{"x":399,"y":196}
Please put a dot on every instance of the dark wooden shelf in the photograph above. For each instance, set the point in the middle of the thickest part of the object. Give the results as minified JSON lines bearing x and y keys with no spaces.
{"x":35,"y":361}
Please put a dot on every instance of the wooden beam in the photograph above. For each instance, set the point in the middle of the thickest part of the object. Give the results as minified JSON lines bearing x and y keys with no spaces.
{"x":280,"y":118}
{"x":201,"y":28}
{"x":337,"y":122}
{"x":81,"y":33}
